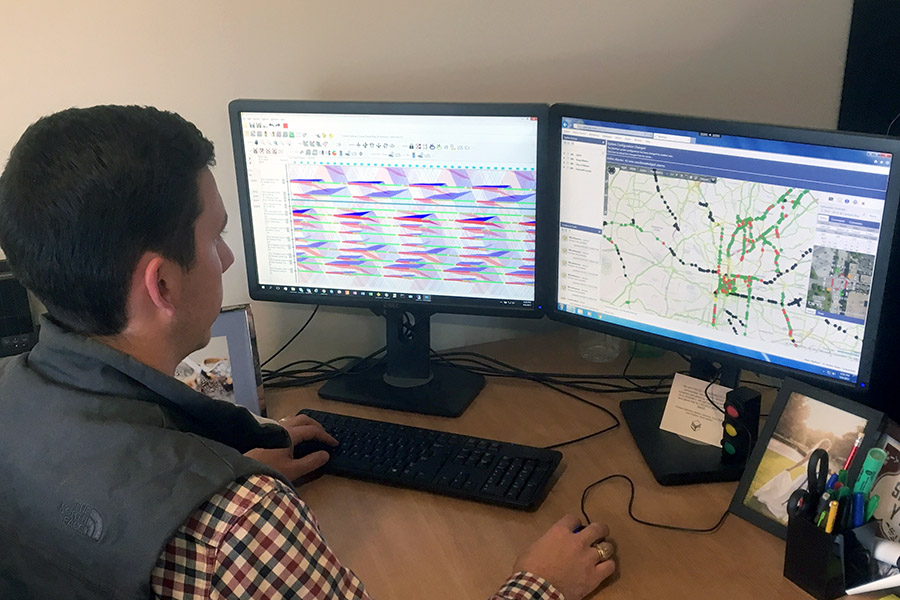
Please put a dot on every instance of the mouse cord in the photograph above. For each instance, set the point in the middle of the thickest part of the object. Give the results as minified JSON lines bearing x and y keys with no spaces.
{"x":584,"y":496}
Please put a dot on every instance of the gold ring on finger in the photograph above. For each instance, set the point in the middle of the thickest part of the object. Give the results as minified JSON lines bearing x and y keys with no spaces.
{"x":605,"y":550}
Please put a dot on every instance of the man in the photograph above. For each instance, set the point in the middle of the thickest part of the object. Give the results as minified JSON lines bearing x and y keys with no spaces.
{"x":120,"y":481}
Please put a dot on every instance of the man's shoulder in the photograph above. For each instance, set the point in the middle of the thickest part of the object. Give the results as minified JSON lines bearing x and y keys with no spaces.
{"x":11,"y":364}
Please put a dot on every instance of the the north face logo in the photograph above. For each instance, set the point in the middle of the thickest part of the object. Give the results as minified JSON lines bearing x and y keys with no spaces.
{"x":83,"y":519}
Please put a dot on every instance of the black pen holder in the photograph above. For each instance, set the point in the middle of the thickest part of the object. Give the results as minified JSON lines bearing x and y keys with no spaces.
{"x":824,"y":564}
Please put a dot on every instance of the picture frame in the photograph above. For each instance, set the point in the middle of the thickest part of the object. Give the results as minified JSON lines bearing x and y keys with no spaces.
{"x":227,"y":368}
{"x":802,"y":419}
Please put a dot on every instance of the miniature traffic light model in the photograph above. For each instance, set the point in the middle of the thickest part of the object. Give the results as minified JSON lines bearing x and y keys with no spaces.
{"x":740,"y":429}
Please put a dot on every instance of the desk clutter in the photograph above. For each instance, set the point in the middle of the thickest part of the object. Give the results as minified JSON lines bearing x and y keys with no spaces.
{"x":824,"y":476}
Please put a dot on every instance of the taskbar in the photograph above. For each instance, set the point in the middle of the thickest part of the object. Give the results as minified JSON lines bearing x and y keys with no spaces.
{"x":338,"y":293}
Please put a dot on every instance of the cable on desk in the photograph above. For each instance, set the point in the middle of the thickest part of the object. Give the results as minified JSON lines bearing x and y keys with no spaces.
{"x":550,"y":380}
{"x":639,"y":520}
{"x":713,"y":380}
{"x":630,"y":378}
{"x":293,"y":337}
{"x":617,"y":423}
{"x":319,"y":371}
{"x":492,"y":367}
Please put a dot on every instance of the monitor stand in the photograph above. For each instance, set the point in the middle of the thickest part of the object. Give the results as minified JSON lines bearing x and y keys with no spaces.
{"x":407,"y":379}
{"x":675,"y":460}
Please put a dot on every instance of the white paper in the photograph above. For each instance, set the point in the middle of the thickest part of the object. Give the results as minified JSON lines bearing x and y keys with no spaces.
{"x":878,"y":584}
{"x":688,"y":413}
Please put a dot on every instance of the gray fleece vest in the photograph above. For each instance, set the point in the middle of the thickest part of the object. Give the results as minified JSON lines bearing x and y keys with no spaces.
{"x":102,"y":458}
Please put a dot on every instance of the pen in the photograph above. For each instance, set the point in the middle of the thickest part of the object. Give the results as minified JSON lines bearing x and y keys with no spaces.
{"x":856,"y":445}
{"x":832,"y":513}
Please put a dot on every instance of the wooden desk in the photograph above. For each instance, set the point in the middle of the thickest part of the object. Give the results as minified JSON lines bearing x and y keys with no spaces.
{"x":410,"y":545}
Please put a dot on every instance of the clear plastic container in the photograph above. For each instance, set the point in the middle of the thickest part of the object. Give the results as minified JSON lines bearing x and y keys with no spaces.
{"x":598,"y":347}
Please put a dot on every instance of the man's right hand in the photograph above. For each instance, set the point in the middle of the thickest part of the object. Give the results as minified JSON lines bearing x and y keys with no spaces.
{"x":567,"y":560}
{"x":301,"y":428}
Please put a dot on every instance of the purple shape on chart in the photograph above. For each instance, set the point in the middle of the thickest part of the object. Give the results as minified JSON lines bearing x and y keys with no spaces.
{"x":512,"y":198}
{"x":346,"y":263}
{"x":448,"y":196}
{"x":325,"y":192}
{"x":398,"y":176}
{"x":460,"y":178}
{"x":525,"y":179}
{"x":337,"y":173}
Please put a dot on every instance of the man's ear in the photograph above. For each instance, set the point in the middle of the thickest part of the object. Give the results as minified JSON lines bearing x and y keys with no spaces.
{"x":159,"y":283}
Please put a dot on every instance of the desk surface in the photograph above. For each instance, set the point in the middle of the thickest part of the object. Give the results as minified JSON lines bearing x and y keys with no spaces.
{"x":407,"y":545}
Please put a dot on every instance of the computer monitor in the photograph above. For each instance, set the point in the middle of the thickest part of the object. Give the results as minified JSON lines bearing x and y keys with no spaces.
{"x":757,"y":247}
{"x":401,"y":208}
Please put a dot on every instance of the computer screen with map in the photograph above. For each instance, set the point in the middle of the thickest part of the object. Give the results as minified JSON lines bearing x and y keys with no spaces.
{"x":755,"y":246}
{"x":406,"y":209}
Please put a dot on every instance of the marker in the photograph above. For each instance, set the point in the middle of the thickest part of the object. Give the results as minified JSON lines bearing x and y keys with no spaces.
{"x":832,"y":513}
{"x":872,"y":465}
{"x":832,"y":479}
{"x":859,"y":509}
{"x":844,"y":519}
{"x":852,"y":455}
{"x":871,"y":505}
{"x":886,"y":551}
{"x":822,"y":507}
{"x":843,"y":476}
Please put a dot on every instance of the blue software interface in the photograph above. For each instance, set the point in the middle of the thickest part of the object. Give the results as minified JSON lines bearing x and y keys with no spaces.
{"x":410,"y":207}
{"x":756,"y":247}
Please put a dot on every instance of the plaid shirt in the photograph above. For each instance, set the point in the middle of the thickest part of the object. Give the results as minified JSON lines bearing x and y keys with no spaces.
{"x":257,"y":539}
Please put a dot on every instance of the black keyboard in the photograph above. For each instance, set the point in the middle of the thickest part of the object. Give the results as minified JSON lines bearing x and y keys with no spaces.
{"x":433,"y":461}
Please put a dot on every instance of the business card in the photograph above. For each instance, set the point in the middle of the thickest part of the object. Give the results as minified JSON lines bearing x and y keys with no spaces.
{"x":689,"y":413}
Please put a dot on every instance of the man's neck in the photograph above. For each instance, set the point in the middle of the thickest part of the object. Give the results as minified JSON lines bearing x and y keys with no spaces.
{"x":152,"y":350}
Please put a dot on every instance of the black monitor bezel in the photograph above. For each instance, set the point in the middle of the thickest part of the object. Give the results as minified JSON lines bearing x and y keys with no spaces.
{"x":887,"y":261}
{"x":438,"y":304}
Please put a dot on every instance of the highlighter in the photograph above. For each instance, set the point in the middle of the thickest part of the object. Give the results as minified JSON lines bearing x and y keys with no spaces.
{"x":871,"y":505}
{"x":832,"y":513}
{"x":872,"y":465}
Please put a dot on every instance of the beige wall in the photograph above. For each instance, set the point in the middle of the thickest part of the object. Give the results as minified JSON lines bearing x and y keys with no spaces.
{"x":778,"y":61}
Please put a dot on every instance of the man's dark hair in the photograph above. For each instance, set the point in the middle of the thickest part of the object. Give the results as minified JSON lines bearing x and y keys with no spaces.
{"x":85,"y":193}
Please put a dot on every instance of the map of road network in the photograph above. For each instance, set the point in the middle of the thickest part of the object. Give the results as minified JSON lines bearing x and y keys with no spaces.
{"x":730,"y":256}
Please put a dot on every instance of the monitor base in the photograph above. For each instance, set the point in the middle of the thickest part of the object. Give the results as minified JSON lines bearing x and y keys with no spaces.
{"x":672,"y":459}
{"x":447,"y":394}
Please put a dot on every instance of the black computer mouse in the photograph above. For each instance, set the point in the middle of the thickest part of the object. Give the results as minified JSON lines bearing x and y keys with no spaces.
{"x":309,"y":446}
